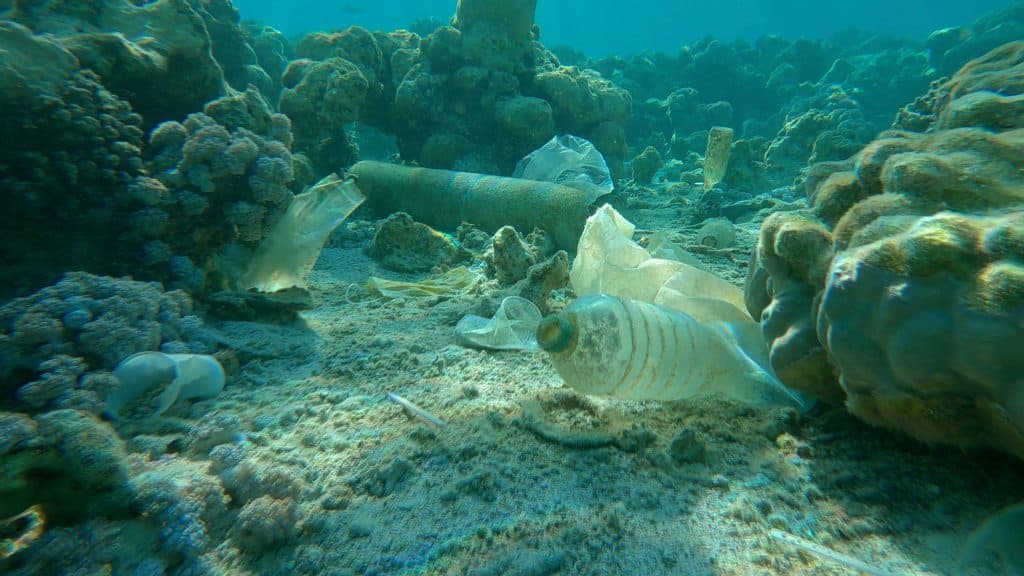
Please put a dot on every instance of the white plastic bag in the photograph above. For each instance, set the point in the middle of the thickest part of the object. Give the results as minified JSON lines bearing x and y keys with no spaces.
{"x":568,"y":160}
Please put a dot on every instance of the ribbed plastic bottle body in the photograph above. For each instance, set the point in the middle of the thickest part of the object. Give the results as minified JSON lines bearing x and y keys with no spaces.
{"x":639,"y":351}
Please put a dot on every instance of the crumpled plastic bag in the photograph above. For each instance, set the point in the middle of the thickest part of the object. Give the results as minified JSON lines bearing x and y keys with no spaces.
{"x":568,"y":160}
{"x":609,"y":261}
{"x":455,"y":282}
{"x":513,"y":327}
{"x":286,"y":256}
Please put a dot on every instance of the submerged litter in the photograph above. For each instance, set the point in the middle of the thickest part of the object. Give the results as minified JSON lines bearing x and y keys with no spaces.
{"x":455,"y":282}
{"x":633,"y":350}
{"x":286,"y":256}
{"x":151,"y":382}
{"x":416,"y":412}
{"x":827,"y":553}
{"x":513,"y":327}
{"x":571,"y":161}
{"x":999,"y":534}
{"x":18,"y":532}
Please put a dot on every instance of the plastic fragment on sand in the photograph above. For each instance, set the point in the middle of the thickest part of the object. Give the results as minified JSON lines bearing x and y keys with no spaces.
{"x":455,"y":282}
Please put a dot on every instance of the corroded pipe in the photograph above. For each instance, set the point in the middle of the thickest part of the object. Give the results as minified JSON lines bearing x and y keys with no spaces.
{"x":445,"y":199}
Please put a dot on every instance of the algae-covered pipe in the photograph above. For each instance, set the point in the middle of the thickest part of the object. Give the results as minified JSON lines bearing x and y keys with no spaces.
{"x":445,"y":199}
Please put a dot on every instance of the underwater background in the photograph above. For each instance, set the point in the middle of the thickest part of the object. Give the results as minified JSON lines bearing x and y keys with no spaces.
{"x":520,"y":287}
{"x":607,"y":27}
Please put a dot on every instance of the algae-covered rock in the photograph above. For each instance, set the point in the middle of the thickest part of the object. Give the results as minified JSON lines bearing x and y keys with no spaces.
{"x":69,"y":460}
{"x":320,"y":98}
{"x":509,"y":257}
{"x":404,"y":245}
{"x":645,"y":165}
{"x":514,"y":16}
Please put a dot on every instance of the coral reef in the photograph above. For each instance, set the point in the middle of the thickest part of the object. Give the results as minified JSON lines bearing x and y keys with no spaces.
{"x":167,"y":58}
{"x":828,"y":125}
{"x":811,"y":100}
{"x":476,"y":96}
{"x":52,"y":342}
{"x":57,"y":348}
{"x":905,"y":278}
{"x":951,"y":48}
{"x":189,"y":508}
{"x":165,"y":139}
{"x":61,"y":130}
{"x":986,"y":92}
{"x":76,"y":161}
{"x":55,"y":456}
{"x":226,"y":173}
{"x":321,"y":98}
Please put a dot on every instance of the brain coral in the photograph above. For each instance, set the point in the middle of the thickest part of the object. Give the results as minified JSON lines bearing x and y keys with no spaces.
{"x":901,"y":290}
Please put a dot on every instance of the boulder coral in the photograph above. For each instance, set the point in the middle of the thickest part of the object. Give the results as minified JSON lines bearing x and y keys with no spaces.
{"x":167,"y":58}
{"x":901,"y":290}
{"x":61,"y":129}
{"x":79,"y":95}
{"x":476,"y":95}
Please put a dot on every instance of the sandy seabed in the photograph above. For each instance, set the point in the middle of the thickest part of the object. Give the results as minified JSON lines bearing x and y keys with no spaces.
{"x":528,"y":477}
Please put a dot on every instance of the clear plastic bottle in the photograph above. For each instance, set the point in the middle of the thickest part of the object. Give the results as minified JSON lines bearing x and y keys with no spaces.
{"x":627,"y":349}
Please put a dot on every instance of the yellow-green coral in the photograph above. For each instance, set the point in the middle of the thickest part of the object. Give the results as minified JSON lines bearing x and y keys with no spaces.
{"x":902,"y":288}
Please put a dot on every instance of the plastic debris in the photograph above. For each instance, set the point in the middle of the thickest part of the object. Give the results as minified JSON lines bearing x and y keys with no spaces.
{"x":20,"y":531}
{"x":608,"y":261}
{"x":445,"y":199}
{"x":455,"y":282}
{"x":716,"y":155}
{"x":633,"y":350}
{"x":513,"y":327}
{"x":827,"y":553}
{"x":999,"y":533}
{"x":717,"y":233}
{"x":151,"y":382}
{"x":284,"y":259}
{"x":571,"y":161}
{"x":416,"y":412}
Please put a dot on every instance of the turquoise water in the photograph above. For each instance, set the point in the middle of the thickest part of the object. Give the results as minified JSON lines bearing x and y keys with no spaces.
{"x":602,"y":27}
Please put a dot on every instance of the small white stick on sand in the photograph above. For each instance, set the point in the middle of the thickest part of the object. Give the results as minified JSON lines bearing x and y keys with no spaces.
{"x":827,"y":553}
{"x":416,"y":411}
